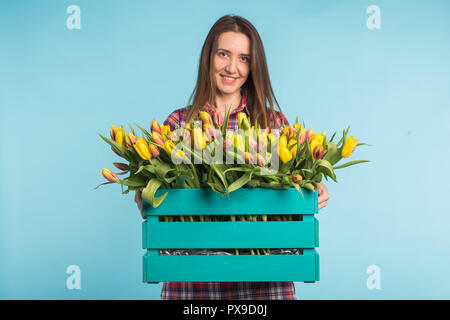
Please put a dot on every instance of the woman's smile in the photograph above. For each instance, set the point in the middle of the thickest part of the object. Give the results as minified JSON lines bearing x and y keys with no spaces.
{"x":228,"y":80}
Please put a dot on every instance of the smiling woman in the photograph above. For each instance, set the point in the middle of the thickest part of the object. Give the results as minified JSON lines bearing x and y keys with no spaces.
{"x":232,"y":74}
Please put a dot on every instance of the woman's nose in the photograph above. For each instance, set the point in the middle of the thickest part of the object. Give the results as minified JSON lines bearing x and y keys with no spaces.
{"x":231,"y":66}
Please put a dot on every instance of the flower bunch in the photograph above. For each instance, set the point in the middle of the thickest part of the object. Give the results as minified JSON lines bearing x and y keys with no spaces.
{"x":204,"y":154}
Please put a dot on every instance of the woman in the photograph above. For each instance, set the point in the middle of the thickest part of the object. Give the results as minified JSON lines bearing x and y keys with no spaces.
{"x":232,"y":72}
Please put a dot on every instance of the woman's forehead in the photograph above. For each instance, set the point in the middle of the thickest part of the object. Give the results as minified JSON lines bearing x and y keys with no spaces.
{"x":234,"y":42}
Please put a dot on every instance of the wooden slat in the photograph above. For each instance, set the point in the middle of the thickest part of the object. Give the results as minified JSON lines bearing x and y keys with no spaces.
{"x":231,"y":268}
{"x":246,"y":201}
{"x":228,"y":235}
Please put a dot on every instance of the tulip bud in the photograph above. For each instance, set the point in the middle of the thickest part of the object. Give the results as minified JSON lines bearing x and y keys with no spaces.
{"x":285,"y":154}
{"x":168,"y":146}
{"x":210,"y":131}
{"x":239,"y":142}
{"x":157,"y":138}
{"x":293,"y":150}
{"x":243,"y":121}
{"x":297,"y":178}
{"x":121,"y":166}
{"x":309,"y":134}
{"x":260,"y":160}
{"x":283,"y":141}
{"x":155,"y":127}
{"x":252,"y":145}
{"x":206,"y":118}
{"x":142,"y":149}
{"x":349,"y":147}
{"x":119,"y":136}
{"x":249,"y":158}
{"x":109,"y":175}
{"x":302,"y":136}
{"x":165,"y":131}
{"x":218,"y":118}
{"x":131,"y":140}
{"x":199,"y":139}
{"x":113,"y":132}
{"x":154,"y":150}
{"x":186,"y":134}
{"x":227,"y":143}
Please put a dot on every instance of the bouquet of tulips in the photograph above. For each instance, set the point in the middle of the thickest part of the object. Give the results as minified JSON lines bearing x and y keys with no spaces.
{"x":204,"y":154}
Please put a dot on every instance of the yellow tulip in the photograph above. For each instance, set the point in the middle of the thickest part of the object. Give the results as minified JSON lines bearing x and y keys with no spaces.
{"x":239,"y":142}
{"x":119,"y":136}
{"x":206,"y":118}
{"x":199,"y":138}
{"x":283,"y":141}
{"x":168,"y":146}
{"x":285,"y":154}
{"x":316,"y":142}
{"x":113,"y":132}
{"x":109,"y":175}
{"x":165,"y":131}
{"x":349,"y":147}
{"x":243,"y":121}
{"x":294,"y":148}
{"x":142,"y":149}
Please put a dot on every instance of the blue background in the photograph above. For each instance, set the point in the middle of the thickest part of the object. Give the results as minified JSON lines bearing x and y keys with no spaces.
{"x":132,"y":62}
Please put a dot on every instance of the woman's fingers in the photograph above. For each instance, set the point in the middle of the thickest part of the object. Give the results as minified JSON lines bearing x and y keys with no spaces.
{"x":323,"y":195}
{"x":138,"y":200}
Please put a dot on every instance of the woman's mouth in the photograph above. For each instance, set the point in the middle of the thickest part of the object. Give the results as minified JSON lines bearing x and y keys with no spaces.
{"x":227,"y":80}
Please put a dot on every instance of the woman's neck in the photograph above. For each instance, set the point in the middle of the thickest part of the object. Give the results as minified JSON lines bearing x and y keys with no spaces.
{"x":232,"y":100}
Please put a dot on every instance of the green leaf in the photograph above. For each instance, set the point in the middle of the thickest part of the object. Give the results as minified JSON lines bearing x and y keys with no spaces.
{"x":109,"y":182}
{"x":299,"y":189}
{"x":148,"y":194}
{"x":136,"y":181}
{"x":350,"y":164}
{"x":239,"y":183}
{"x":332,"y":155}
{"x":113,"y":144}
{"x":326,"y":168}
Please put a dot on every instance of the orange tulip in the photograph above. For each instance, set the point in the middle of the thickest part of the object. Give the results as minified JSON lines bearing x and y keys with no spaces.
{"x":109,"y":175}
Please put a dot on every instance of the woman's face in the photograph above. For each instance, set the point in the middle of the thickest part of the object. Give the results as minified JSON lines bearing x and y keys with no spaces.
{"x":231,"y":62}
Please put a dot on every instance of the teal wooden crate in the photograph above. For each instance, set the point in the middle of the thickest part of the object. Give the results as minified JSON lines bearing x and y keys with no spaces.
{"x":302,"y":234}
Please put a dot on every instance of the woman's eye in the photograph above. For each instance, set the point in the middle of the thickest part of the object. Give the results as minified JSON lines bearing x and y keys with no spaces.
{"x":222,"y":54}
{"x":246,"y":59}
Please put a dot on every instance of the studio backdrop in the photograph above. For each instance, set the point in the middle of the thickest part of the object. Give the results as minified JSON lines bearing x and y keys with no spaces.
{"x":71,"y":69}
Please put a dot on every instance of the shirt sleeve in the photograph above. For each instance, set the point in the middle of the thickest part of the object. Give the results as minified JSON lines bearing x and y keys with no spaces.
{"x":176,"y":118}
{"x":279,"y":119}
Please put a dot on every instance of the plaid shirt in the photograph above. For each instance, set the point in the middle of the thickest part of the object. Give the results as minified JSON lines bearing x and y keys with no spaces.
{"x":225,"y":290}
{"x":178,"y":117}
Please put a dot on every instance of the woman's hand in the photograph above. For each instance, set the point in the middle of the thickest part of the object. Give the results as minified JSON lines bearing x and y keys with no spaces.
{"x":138,"y":200}
{"x":323,"y":195}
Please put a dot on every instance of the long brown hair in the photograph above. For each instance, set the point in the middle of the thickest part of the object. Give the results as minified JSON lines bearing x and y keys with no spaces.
{"x":257,"y":89}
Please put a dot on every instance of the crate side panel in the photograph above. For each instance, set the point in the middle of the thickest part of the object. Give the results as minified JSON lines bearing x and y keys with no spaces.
{"x":246,"y":201}
{"x":229,"y":235}
{"x":231,"y":268}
